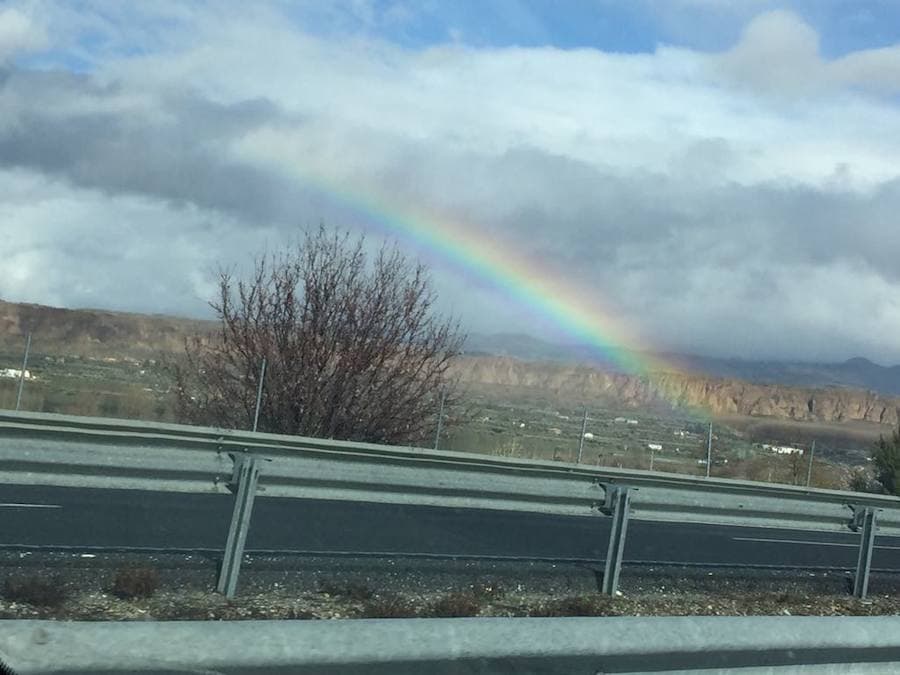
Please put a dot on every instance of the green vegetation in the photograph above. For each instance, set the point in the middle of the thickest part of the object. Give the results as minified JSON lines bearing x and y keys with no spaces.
{"x":886,"y":457}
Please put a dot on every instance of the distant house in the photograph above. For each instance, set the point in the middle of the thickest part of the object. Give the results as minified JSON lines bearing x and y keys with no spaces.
{"x":620,"y":420}
{"x":654,"y":446}
{"x":14,"y":373}
{"x":588,"y":436}
{"x":783,"y":449}
{"x":632,"y":421}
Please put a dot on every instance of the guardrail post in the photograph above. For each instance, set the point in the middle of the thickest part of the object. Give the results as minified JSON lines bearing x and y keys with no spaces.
{"x":246,"y":476}
{"x":866,"y":545}
{"x":618,"y":503}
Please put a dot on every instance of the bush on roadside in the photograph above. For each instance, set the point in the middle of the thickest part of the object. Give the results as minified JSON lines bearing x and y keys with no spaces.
{"x":34,"y":590}
{"x":576,"y":605}
{"x":389,"y":607}
{"x":352,"y":590}
{"x":135,"y":582}
{"x":886,"y":458}
{"x":455,"y":605}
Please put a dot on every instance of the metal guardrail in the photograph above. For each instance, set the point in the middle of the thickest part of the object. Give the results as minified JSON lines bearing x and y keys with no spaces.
{"x":94,"y":452}
{"x":37,"y":448}
{"x":90,"y":452}
{"x":737,"y":645}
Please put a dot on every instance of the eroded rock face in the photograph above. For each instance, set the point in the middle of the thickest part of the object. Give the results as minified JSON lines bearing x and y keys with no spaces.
{"x":719,"y":396}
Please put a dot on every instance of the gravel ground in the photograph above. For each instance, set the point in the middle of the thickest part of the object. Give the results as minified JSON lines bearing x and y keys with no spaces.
{"x":168,"y":605}
{"x":282,"y":587}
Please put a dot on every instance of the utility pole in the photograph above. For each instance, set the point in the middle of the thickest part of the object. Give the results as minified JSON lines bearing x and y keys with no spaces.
{"x":22,"y":374}
{"x":651,"y":460}
{"x":259,"y":388}
{"x":440,"y":420}
{"x":812,"y":451}
{"x":583,"y":431}
{"x":708,"y":449}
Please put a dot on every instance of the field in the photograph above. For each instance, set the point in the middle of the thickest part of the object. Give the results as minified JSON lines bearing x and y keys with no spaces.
{"x":500,"y":421}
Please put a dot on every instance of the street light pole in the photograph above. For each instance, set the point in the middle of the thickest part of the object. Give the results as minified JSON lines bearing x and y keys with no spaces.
{"x":440,"y":419}
{"x":812,"y":452}
{"x":583,"y":431}
{"x":22,"y":374}
{"x":262,"y":376}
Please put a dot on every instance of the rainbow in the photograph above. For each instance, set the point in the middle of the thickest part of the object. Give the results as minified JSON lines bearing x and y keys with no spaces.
{"x":574,"y":310}
{"x":531,"y":285}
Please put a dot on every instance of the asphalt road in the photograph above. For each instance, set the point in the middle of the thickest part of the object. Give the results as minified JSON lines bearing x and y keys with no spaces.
{"x":48,"y":517}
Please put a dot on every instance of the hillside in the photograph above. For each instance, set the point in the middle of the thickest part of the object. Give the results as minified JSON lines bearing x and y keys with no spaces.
{"x":717,"y":395}
{"x":858,"y":373}
{"x":102,"y":334}
{"x":93,"y":333}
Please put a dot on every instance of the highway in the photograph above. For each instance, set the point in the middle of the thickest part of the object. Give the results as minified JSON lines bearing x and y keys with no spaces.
{"x":57,"y":517}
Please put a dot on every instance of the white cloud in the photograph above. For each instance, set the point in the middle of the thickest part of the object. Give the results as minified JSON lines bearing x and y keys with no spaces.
{"x":779,"y":53}
{"x":19,"y":33}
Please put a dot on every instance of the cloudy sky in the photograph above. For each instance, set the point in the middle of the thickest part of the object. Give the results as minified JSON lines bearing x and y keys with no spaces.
{"x":722,"y":177}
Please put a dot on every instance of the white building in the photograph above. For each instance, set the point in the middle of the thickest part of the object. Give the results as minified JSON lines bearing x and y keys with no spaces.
{"x":588,"y":436}
{"x":783,"y":449}
{"x":15,"y":373}
{"x":654,"y":446}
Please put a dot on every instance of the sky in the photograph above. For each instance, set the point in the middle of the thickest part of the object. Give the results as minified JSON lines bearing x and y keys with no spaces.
{"x":721,"y":177}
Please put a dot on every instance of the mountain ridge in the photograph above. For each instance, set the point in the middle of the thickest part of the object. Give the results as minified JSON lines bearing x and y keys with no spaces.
{"x":106,"y":334}
{"x":857,"y":372}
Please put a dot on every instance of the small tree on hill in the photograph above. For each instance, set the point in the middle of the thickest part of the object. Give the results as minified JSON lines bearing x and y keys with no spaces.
{"x":353,"y":347}
{"x":886,"y":458}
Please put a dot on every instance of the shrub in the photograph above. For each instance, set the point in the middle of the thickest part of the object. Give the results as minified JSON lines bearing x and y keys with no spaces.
{"x":352,"y":590}
{"x":886,"y":457}
{"x":38,"y":591}
{"x":576,"y":605}
{"x":389,"y":607}
{"x":860,"y":481}
{"x":135,"y":582}
{"x":455,"y":605}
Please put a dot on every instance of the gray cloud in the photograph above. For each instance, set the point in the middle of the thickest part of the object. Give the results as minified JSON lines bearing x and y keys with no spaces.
{"x":707,"y":218}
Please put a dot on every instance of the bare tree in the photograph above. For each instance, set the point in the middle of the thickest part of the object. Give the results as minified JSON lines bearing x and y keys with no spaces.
{"x":353,"y":346}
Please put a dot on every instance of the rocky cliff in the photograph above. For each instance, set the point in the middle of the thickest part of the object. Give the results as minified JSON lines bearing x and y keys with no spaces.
{"x":720,"y":396}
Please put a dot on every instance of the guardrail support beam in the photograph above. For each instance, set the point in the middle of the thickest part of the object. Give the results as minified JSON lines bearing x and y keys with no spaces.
{"x":618,"y":503}
{"x":246,"y":476}
{"x":866,"y":545}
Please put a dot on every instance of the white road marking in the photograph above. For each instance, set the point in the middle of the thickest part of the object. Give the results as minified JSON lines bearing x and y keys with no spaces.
{"x":812,"y":543}
{"x":13,"y":505}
